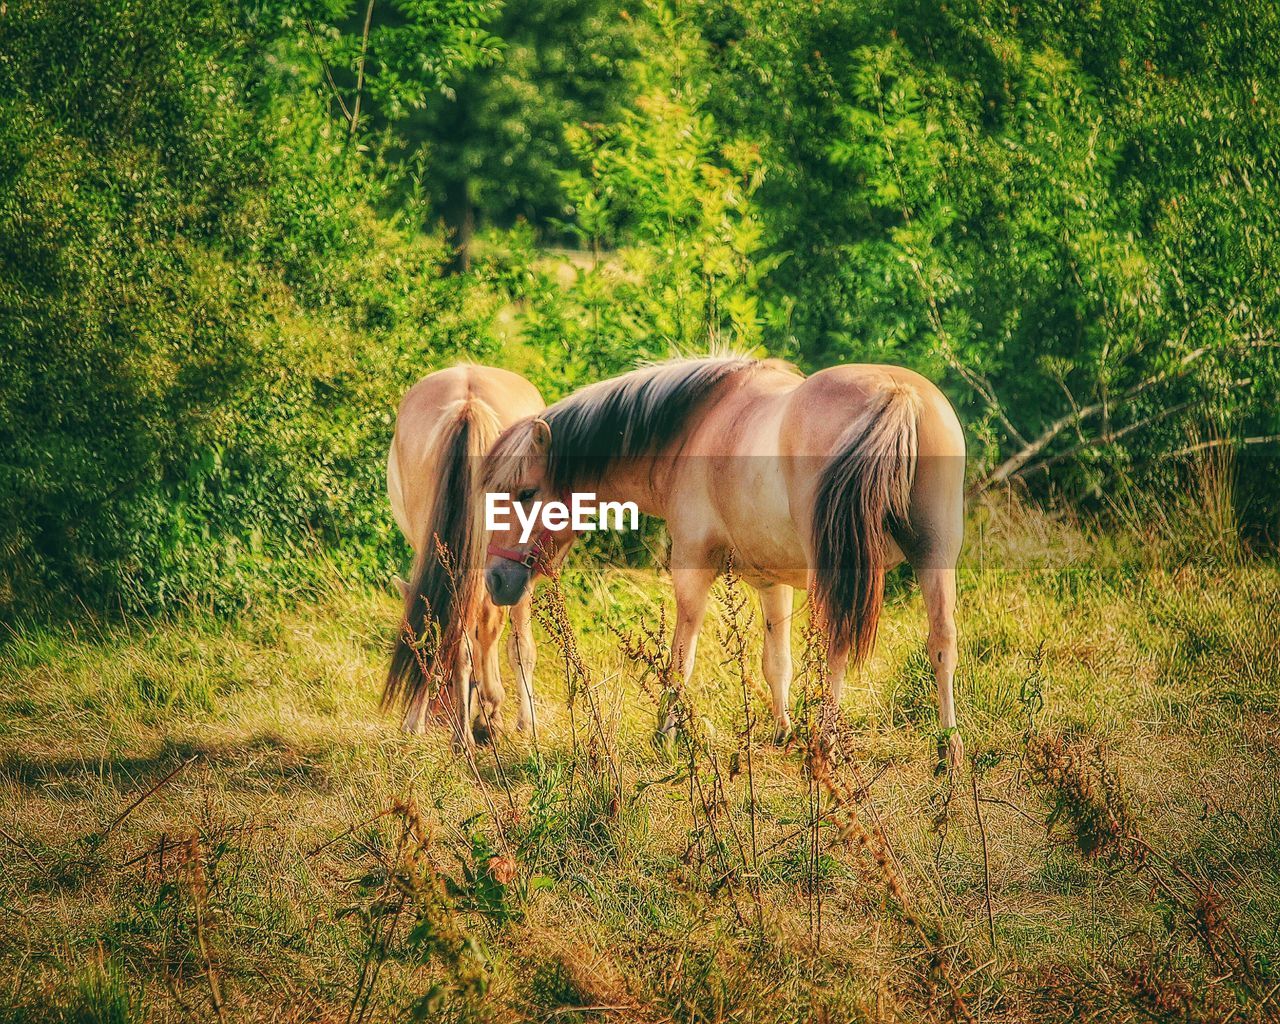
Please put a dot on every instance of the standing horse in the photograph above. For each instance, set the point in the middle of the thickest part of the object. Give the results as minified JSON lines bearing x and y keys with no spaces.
{"x":446,"y":424}
{"x":823,"y":482}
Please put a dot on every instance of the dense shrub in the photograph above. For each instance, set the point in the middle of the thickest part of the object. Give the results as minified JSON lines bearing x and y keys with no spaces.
{"x":204,"y":328}
{"x":217,"y":274}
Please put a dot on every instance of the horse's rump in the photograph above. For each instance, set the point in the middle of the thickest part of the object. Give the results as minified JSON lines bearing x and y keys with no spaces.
{"x":866,"y":484}
{"x":445,"y":584}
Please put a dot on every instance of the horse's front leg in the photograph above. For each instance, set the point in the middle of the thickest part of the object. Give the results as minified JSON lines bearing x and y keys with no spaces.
{"x":776,"y":608}
{"x":488,"y":718}
{"x":693,"y":580}
{"x":456,"y":698}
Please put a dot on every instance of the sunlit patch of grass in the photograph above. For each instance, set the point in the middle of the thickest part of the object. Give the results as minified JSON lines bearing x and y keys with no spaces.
{"x":103,"y":995}
{"x":286,"y":777}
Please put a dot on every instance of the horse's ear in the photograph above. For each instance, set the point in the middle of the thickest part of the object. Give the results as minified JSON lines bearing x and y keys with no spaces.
{"x":541,"y":436}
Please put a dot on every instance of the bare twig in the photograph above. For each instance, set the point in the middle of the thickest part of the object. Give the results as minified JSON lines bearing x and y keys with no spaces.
{"x":1108,"y":437}
{"x":24,"y":848}
{"x":199,"y":886}
{"x":328,"y":74}
{"x":986,"y":861}
{"x":1013,"y":807}
{"x":346,"y":832}
{"x":1222,"y":441}
{"x":364,"y":51}
{"x":1019,"y":462}
{"x":106,"y":832}
{"x":1019,"y":459}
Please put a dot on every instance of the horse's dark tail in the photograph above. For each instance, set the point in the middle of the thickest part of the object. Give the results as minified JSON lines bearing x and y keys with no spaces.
{"x":445,"y":585}
{"x":866,"y":485}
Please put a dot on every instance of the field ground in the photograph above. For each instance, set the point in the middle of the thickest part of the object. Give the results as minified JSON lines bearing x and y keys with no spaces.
{"x":202,"y":819}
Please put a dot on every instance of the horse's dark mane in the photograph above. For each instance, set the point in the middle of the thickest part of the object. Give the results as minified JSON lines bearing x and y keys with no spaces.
{"x":636,"y":414}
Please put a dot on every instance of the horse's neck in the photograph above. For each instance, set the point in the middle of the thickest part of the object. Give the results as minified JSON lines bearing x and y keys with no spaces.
{"x":640,"y":480}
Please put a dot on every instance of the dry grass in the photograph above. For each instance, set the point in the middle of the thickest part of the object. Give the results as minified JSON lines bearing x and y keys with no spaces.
{"x":292,"y":857}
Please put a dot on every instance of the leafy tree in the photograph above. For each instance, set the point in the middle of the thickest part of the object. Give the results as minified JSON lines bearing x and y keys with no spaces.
{"x":398,"y":56}
{"x":1066,"y":213}
{"x":495,"y":143}
{"x":664,"y":208}
{"x":215,"y":280}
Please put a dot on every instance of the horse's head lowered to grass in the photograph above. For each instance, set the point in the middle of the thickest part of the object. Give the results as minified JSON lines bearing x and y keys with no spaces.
{"x":604,"y":429}
{"x":517,"y":466}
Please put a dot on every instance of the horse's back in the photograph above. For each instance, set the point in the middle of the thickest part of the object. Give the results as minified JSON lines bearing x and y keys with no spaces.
{"x":827,"y":403}
{"x":508,"y":395}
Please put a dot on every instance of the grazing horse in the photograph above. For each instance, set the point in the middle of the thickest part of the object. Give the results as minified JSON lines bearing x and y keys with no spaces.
{"x":822,"y":482}
{"x":446,"y":424}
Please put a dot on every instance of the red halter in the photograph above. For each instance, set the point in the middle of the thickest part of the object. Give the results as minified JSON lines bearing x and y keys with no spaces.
{"x":542,"y":547}
{"x":530,"y":557}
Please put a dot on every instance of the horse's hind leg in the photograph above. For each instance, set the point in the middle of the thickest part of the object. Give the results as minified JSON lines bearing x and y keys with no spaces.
{"x":523,"y":655}
{"x":938,"y":585}
{"x":776,"y":607}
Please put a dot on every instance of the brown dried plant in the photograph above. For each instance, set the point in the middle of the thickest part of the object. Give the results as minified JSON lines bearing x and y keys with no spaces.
{"x":409,"y":910}
{"x":1086,"y":799}
{"x":867,"y":834}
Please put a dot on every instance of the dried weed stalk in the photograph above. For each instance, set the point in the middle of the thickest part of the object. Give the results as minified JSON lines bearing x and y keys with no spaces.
{"x":871,"y":840}
{"x":580,"y":685}
{"x":409,"y":912}
{"x":1087,"y":803}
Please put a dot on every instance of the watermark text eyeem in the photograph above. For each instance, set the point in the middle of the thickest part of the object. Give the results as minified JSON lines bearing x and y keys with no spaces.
{"x":583,"y":514}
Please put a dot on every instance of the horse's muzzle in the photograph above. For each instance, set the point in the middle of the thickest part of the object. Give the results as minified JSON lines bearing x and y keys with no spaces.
{"x":507,"y":582}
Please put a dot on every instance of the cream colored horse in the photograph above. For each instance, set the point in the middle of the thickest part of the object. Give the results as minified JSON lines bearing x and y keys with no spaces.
{"x":446,"y":424}
{"x":821,"y":482}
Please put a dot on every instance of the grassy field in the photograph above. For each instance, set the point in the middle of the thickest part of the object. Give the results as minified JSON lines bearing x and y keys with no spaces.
{"x":202,"y":819}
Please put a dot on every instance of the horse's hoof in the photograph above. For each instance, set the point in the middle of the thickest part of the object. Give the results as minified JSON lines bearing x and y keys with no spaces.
{"x":782,"y":734}
{"x":950,"y":752}
{"x":486,"y":732}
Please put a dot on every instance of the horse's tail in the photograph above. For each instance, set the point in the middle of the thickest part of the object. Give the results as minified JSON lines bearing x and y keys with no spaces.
{"x":441,"y":595}
{"x":863,"y":489}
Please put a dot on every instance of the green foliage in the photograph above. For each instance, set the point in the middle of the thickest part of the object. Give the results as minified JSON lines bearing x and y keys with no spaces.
{"x":1066,"y":212}
{"x":215,"y":284}
{"x":496,"y":144}
{"x":103,"y":995}
{"x":403,"y":53}
{"x":204,"y":328}
{"x":664,"y":206}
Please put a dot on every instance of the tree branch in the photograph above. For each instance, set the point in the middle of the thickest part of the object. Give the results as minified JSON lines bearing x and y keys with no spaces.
{"x":328,"y":74}
{"x":1110,"y":437}
{"x":1221,"y":441}
{"x":1018,"y":461}
{"x":979,"y":384}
